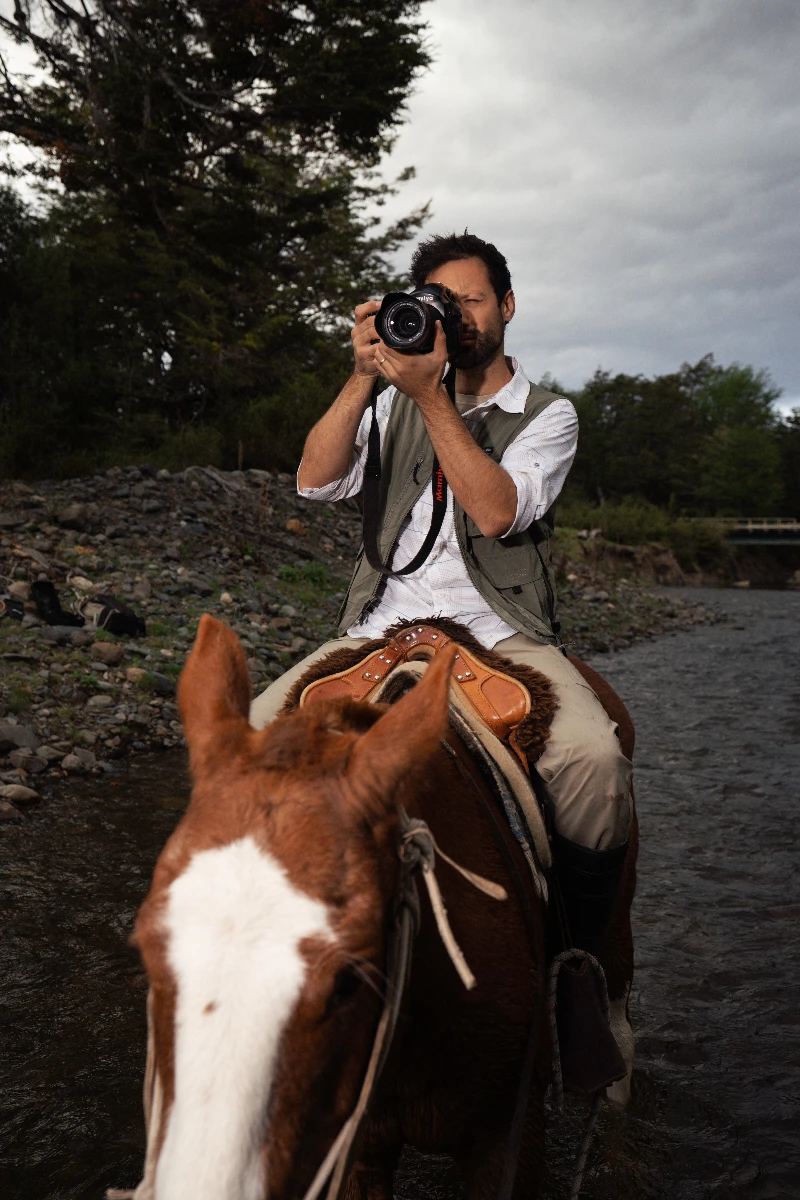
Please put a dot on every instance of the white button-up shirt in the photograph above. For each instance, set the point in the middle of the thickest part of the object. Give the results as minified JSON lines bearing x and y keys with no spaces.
{"x":537,"y":460}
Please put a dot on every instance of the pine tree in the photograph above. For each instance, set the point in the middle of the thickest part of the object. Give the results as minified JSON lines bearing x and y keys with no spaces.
{"x":211,"y":164}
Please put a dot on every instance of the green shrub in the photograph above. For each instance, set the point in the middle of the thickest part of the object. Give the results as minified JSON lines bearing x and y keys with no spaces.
{"x":630,"y":523}
{"x":19,"y":700}
{"x":313,"y":573}
{"x":694,"y":541}
{"x":316,"y":574}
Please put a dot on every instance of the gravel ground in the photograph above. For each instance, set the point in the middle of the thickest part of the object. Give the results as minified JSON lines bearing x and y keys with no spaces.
{"x":242,"y":546}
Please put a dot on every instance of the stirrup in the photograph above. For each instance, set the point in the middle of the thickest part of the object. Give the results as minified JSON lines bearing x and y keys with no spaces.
{"x":586,"y":1057}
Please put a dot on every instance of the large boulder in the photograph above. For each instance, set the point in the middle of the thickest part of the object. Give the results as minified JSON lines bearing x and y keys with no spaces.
{"x":21,"y":736}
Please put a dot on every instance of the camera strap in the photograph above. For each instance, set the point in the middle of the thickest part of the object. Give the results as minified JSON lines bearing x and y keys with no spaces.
{"x":372,"y":492}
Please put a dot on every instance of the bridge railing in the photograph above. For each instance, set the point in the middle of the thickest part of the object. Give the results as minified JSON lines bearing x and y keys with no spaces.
{"x":758,"y":524}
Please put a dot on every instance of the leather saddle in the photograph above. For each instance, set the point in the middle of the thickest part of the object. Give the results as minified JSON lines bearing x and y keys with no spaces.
{"x":500,"y":701}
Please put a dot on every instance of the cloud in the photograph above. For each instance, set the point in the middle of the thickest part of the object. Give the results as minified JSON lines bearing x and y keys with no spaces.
{"x":638,"y":165}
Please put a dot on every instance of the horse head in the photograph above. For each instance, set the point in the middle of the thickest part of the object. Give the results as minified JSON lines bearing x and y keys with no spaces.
{"x":264,"y":933}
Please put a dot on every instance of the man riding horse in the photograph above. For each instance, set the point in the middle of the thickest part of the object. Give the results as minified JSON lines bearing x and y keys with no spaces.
{"x":505,"y":448}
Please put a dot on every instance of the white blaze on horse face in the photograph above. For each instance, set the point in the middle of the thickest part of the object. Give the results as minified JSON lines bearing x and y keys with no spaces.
{"x":234,"y":923}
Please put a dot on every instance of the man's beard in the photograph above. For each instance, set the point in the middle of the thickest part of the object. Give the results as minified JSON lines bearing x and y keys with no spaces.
{"x":484,"y":348}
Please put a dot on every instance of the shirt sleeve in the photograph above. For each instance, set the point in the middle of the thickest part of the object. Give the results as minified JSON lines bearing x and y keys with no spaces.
{"x":539,"y":459}
{"x":352,"y":483}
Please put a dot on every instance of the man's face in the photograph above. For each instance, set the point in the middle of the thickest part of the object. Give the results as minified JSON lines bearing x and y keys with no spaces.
{"x":484,"y":320}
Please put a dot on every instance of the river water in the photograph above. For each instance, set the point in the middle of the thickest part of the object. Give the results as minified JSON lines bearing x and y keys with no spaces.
{"x":716,"y":1104}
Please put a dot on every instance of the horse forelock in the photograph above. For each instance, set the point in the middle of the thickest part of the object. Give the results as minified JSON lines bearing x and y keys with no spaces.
{"x":309,"y":741}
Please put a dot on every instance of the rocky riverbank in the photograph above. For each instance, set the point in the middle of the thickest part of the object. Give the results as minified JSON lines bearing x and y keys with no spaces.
{"x":242,"y":546}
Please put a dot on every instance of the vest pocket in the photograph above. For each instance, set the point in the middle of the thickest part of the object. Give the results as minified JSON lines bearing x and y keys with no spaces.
{"x":513,"y":570}
{"x":506,"y":562}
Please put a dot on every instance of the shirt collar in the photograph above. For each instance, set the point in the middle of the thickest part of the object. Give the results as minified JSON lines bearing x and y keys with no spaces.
{"x":512,"y":396}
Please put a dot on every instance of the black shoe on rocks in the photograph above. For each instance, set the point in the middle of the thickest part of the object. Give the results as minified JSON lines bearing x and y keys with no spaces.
{"x":11,"y":607}
{"x":48,"y":605}
{"x":106,"y":612}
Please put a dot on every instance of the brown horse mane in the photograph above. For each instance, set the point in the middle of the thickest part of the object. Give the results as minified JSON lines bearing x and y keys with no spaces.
{"x":533,"y":730}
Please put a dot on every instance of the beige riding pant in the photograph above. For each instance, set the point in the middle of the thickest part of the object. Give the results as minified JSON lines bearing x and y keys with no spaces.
{"x":588,"y":778}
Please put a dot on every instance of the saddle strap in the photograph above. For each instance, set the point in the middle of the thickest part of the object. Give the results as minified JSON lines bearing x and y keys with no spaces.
{"x":499,"y":700}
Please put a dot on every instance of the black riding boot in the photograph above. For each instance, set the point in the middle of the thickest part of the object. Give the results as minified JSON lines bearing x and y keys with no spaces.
{"x":589,"y":880}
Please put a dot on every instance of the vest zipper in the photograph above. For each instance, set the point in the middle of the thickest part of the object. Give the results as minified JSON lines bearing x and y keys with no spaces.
{"x":551,"y":602}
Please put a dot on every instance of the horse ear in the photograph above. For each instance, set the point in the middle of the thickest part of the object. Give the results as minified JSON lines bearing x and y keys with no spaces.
{"x":406,"y":736}
{"x":214,"y":694}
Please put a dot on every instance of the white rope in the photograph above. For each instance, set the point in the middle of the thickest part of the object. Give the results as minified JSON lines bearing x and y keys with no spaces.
{"x":483,"y":885}
{"x":419,"y":834}
{"x":445,"y":932}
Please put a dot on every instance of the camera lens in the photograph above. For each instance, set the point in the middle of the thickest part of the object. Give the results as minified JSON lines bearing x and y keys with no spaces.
{"x":405,"y":324}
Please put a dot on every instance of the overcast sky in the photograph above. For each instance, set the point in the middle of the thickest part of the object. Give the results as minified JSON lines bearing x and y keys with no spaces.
{"x":637,"y":162}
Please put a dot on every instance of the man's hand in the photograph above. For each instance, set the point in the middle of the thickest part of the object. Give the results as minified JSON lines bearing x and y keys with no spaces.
{"x":480,"y":485}
{"x":418,"y":375}
{"x":365,"y":339}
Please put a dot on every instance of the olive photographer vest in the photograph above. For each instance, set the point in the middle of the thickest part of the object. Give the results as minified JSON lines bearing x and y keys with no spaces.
{"x":513,"y":574}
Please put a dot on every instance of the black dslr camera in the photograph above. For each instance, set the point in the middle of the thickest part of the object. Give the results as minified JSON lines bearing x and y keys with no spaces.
{"x":407,"y":320}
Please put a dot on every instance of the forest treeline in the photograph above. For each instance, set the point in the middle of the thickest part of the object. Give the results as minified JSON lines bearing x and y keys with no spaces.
{"x":705,"y":440}
{"x":182,"y":289}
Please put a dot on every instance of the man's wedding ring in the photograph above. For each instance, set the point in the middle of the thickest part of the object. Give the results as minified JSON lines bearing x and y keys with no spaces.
{"x":381,"y":361}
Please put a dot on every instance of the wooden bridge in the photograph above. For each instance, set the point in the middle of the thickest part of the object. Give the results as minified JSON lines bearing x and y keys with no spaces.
{"x":761,"y":531}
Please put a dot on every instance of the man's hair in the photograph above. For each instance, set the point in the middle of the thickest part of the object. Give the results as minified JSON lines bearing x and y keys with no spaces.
{"x":435,"y":251}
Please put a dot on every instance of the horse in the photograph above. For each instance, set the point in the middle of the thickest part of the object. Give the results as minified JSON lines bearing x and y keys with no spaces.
{"x":267,"y":936}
